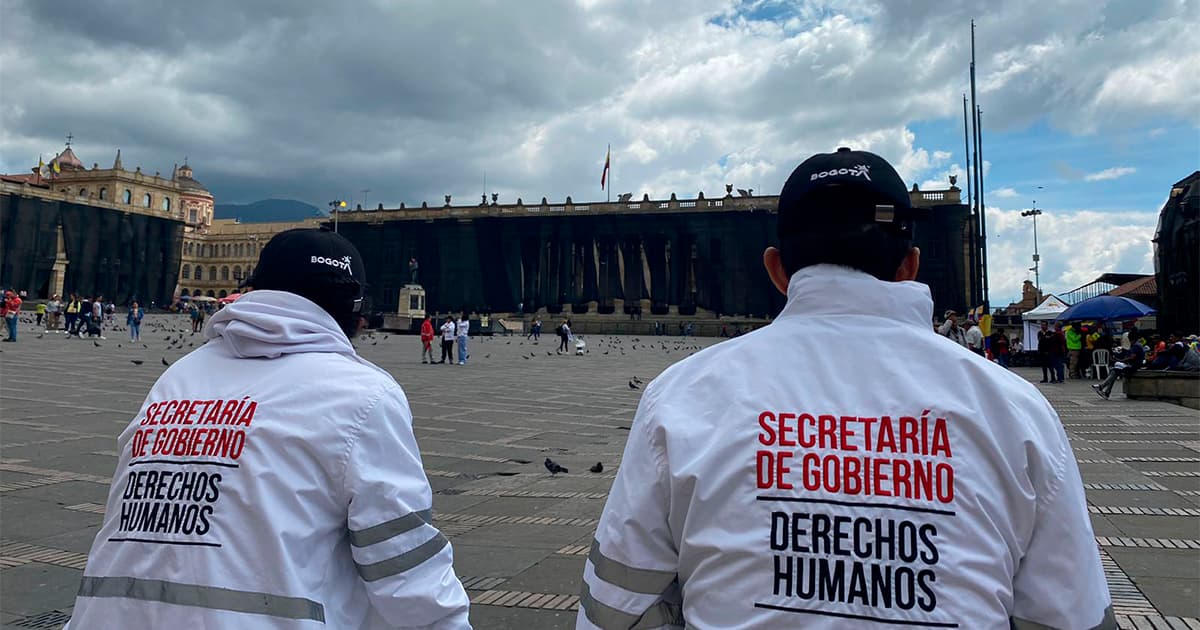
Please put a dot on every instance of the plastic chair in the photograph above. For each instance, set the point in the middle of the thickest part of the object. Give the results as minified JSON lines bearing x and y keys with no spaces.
{"x":1100,"y":362}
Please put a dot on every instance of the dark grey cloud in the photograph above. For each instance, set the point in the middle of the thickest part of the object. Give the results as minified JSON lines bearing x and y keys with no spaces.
{"x":417,"y":99}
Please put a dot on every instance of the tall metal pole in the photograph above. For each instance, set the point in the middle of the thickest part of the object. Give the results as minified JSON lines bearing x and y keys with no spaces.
{"x":1037,"y":258}
{"x":966,"y":148}
{"x":975,"y":165}
{"x":982,"y":207}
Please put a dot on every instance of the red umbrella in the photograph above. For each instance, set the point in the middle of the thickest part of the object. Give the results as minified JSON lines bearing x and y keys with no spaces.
{"x":229,"y":299}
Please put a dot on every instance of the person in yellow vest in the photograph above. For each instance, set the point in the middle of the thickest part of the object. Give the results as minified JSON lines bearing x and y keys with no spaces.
{"x":73,"y":307}
{"x":1074,"y":348}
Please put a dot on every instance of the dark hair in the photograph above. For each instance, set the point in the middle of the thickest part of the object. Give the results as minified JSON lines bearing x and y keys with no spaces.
{"x":870,"y":248}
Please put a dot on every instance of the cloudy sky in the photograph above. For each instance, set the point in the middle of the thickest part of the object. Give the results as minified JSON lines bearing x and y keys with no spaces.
{"x":1097,"y":103}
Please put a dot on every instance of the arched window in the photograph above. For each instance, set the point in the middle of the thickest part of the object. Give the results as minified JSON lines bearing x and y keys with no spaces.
{"x":166,"y":204}
{"x":212,"y":274}
{"x":222,"y":293}
{"x":224,"y":273}
{"x":192,"y":215}
{"x":127,"y":196}
{"x":146,"y":200}
{"x":83,"y":192}
{"x":211,"y":294}
{"x":199,"y":275}
{"x":237,"y":250}
{"x":183,"y":292}
{"x":237,"y":273}
{"x":103,"y":194}
{"x":187,"y":272}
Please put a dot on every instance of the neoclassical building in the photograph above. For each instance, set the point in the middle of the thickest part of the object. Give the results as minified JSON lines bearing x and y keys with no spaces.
{"x":217,"y":257}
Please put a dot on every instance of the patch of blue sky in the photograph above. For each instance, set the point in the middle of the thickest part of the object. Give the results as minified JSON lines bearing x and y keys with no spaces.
{"x":1075,"y":172}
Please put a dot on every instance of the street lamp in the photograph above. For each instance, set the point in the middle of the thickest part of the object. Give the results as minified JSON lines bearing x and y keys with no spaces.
{"x":334,"y":207}
{"x":1037,"y":259}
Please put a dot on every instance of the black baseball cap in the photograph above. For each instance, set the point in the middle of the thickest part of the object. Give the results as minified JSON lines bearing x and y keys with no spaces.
{"x":845,"y":188}
{"x":304,"y":261}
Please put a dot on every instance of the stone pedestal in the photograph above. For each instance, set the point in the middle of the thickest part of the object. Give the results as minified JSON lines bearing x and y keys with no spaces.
{"x":58,"y":272}
{"x":412,"y":301}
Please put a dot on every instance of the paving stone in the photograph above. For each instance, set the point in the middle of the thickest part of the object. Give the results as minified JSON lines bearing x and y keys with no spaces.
{"x":1158,"y":563}
{"x":35,"y":588}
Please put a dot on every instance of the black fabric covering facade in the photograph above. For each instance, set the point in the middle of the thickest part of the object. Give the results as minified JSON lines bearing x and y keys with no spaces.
{"x":1177,"y":258}
{"x":702,"y":260}
{"x":121,"y":255}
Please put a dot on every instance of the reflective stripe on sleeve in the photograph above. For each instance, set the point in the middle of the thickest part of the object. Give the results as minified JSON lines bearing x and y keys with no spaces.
{"x":662,"y":613}
{"x":202,"y":597}
{"x":1109,"y":622}
{"x":395,"y":527}
{"x":404,"y":561}
{"x":649,"y":581}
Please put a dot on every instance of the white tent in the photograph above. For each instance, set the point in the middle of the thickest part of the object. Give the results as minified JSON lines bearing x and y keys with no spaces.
{"x":1046,"y":311}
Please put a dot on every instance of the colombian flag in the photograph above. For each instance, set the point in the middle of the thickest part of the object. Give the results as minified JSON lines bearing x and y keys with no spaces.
{"x":604,"y":174}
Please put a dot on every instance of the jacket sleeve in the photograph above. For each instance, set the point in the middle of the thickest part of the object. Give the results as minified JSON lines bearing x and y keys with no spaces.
{"x":631,"y":578}
{"x":1060,"y":582}
{"x":405,"y":563}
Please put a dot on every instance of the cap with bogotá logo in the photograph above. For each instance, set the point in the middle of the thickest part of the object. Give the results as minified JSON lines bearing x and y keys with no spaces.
{"x":845,"y":188}
{"x":302,"y":258}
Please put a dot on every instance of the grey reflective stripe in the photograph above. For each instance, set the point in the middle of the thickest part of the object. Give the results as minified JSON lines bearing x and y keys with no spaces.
{"x":661,"y":614}
{"x":395,"y":527}
{"x":202,"y":597}
{"x":1109,"y":622}
{"x":649,"y":581}
{"x":404,"y":561}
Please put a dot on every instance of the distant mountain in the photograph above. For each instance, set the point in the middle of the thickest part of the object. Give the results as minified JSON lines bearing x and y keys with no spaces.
{"x":267,"y":210}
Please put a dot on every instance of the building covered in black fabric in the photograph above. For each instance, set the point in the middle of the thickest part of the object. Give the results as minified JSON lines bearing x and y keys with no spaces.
{"x":54,"y":243}
{"x":687,"y":256}
{"x":1177,"y":258}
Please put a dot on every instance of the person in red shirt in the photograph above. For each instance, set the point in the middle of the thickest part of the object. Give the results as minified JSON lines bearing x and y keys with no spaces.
{"x":12,"y":313}
{"x":427,"y":340}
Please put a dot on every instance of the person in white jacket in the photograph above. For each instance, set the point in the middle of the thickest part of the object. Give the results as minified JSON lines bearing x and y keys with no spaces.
{"x":893,"y":480}
{"x":271,"y":479}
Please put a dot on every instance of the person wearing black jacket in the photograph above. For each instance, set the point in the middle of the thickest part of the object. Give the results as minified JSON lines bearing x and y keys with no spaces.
{"x":1043,"y":352}
{"x":1129,"y":363}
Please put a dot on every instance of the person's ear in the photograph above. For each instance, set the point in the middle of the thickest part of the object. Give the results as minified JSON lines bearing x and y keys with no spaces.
{"x":775,"y":271}
{"x":909,"y":266}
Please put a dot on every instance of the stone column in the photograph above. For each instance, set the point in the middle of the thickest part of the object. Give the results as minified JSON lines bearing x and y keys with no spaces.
{"x":58,"y":272}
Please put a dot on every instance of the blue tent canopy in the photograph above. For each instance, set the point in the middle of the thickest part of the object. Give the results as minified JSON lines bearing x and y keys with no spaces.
{"x":1105,"y":308}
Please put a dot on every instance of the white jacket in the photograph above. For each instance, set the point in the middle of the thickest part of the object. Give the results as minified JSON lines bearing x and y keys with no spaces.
{"x":462,"y":327}
{"x":448,"y":331}
{"x":271,"y":480}
{"x":841,"y":465}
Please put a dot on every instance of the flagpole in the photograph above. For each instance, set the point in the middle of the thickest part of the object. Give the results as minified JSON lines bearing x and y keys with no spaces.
{"x":608,"y":189}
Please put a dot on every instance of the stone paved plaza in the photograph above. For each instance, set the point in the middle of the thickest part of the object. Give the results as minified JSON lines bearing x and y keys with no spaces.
{"x":520,"y":536}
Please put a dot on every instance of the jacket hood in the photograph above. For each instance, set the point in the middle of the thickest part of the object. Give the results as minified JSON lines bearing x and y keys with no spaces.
{"x":836,"y":290}
{"x":267,"y":324}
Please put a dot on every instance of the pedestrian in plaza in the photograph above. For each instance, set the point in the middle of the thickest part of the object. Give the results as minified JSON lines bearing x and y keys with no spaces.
{"x":73,"y":309}
{"x":110,"y":314}
{"x":53,"y":313}
{"x":85,"y":315}
{"x":427,"y":340}
{"x":974,"y":337}
{"x":564,"y":335}
{"x":1128,"y":362}
{"x":1074,"y":349}
{"x":1043,"y":352}
{"x":10,"y":310}
{"x":462,"y":330}
{"x":449,"y":332}
{"x":535,"y":329}
{"x":271,"y":479}
{"x":1000,"y":348}
{"x":39,"y":312}
{"x":763,"y":486}
{"x":951,"y":330}
{"x":134,"y":320}
{"x":97,"y":317}
{"x":1056,"y":352}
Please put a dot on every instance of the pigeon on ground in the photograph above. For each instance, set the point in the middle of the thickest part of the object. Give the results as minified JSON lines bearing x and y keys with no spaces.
{"x":597,"y":468}
{"x":96,"y":343}
{"x":41,"y":335}
{"x":165,"y":362}
{"x":136,"y":361}
{"x":633,"y":385}
{"x":553,"y":467}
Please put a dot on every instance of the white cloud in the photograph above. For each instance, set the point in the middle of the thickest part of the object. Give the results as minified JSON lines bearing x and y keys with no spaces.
{"x":1109,"y":173}
{"x":1003,"y":193}
{"x":1076,"y":246}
